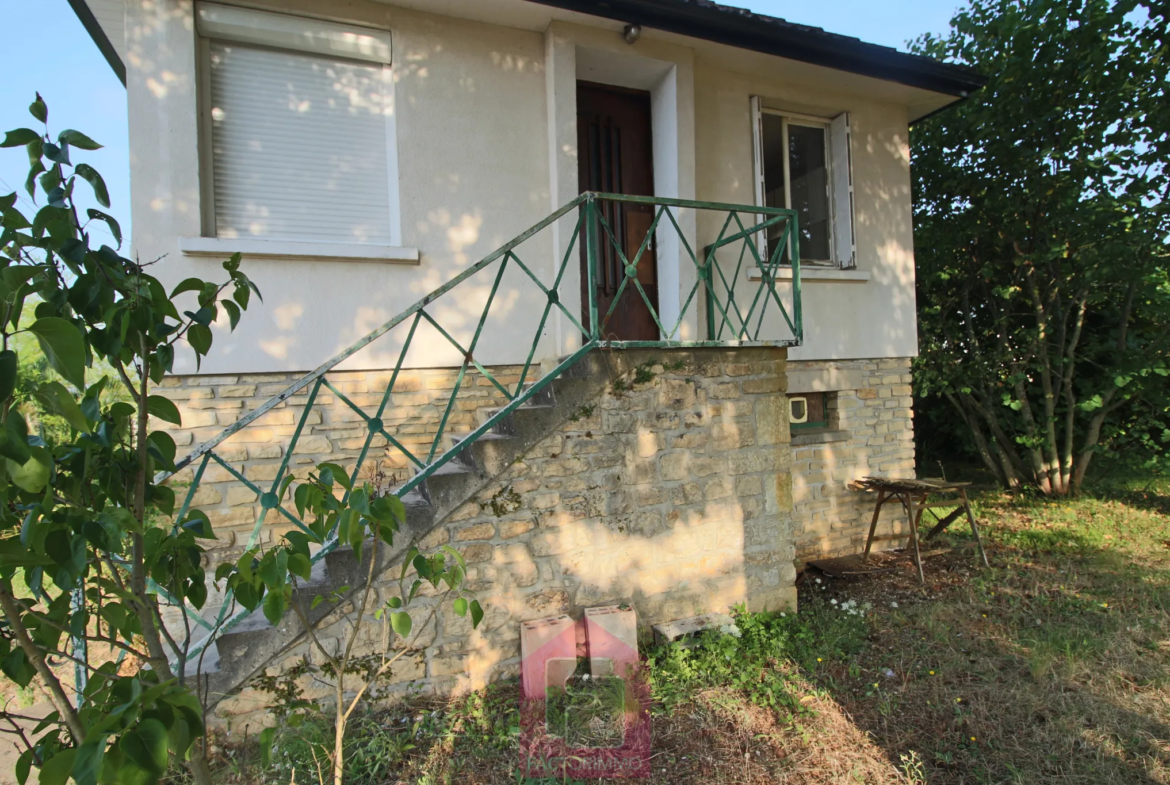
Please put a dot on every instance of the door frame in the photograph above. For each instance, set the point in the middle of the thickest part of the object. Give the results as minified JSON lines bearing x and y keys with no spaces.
{"x":667,"y":72}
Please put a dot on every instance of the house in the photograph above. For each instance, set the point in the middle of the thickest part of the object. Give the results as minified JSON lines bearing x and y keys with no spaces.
{"x":671,"y":387}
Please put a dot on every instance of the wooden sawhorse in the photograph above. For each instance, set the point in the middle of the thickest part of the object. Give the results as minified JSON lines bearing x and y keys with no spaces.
{"x":914,"y":496}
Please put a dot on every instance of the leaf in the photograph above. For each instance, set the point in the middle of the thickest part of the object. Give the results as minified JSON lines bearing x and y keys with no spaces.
{"x":267,"y":736}
{"x":24,"y":765}
{"x":56,"y":153}
{"x":30,"y":182}
{"x":274,"y":607}
{"x":330,"y":473}
{"x":88,"y":763}
{"x":18,"y":137}
{"x":460,"y":606}
{"x":199,"y":524}
{"x":407,"y":560}
{"x":299,"y":565}
{"x":163,"y":448}
{"x":58,"y":768}
{"x":17,"y":668}
{"x":179,"y":735}
{"x":476,"y":613}
{"x":388,"y":508}
{"x":77,"y":139}
{"x":164,"y":409}
{"x":14,"y":438}
{"x":58,"y":400}
{"x":360,"y":500}
{"x":401,"y":622}
{"x":38,"y":109}
{"x":115,"y":228}
{"x":7,"y":374}
{"x":187,"y":285}
{"x":91,"y":176}
{"x":63,"y":346}
{"x":122,"y":519}
{"x":199,"y":336}
{"x":233,"y":312}
{"x":146,"y":745}
{"x":204,"y":316}
{"x":456,"y":555}
{"x":33,"y":475}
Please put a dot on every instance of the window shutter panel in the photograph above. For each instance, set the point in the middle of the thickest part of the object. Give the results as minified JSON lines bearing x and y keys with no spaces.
{"x":758,"y":172}
{"x":758,"y":149}
{"x":299,"y":146}
{"x":841,"y":164}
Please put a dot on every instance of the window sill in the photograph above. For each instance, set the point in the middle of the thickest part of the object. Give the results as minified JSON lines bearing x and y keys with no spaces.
{"x":821,"y":274}
{"x":292,"y":249}
{"x":818,"y":436}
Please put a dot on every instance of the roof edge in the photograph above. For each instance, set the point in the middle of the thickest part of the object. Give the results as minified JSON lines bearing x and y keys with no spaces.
{"x":745,"y":29}
{"x":104,"y":45}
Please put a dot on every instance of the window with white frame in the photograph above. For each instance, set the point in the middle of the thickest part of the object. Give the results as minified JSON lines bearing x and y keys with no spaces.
{"x":803,"y":164}
{"x":298,"y":135}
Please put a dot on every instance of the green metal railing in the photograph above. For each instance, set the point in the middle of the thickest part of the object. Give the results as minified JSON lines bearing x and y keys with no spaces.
{"x":736,"y":301}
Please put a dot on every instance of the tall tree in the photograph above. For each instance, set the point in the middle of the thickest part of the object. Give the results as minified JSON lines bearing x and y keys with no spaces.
{"x":1041,"y":221}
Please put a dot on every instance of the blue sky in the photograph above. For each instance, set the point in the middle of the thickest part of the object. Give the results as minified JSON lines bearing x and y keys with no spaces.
{"x":83,"y":93}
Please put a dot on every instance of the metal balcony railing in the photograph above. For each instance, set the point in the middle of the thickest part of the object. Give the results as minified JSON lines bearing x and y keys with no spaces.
{"x":733,"y":297}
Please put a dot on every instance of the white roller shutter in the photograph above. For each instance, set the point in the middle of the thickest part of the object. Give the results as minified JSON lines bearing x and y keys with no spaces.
{"x":300,"y":146}
{"x":841,"y":191}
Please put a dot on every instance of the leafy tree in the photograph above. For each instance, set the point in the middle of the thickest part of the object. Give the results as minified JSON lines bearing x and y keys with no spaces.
{"x":1041,"y":219}
{"x":84,"y":530}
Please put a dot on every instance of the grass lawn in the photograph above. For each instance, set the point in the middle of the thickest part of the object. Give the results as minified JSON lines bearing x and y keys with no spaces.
{"x":1052,"y":666}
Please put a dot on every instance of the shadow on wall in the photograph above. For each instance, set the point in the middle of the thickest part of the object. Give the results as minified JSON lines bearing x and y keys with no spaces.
{"x":671,"y":494}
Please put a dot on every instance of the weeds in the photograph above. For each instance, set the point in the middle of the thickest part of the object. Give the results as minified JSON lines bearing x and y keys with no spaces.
{"x":584,"y":413}
{"x":1053,"y":666}
{"x":761,"y":655}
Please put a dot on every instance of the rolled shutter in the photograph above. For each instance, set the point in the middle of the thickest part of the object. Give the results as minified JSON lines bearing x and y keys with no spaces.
{"x":299,"y":146}
{"x":841,"y":164}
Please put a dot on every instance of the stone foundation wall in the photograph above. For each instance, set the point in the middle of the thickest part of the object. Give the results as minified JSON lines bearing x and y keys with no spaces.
{"x":871,"y":432}
{"x":671,"y":492}
{"x":333,"y":431}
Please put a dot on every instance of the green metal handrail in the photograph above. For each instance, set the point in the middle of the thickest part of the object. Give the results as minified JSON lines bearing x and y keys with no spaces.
{"x":592,"y":231}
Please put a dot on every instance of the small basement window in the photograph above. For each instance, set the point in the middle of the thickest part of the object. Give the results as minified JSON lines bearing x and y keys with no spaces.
{"x":808,"y":411}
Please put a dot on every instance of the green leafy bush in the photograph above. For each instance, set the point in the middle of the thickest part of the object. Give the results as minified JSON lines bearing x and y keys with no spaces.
{"x":760,"y":654}
{"x":85,"y":555}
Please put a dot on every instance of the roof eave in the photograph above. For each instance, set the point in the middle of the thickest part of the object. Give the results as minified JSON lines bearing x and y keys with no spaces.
{"x":746,"y":30}
{"x":104,"y":45}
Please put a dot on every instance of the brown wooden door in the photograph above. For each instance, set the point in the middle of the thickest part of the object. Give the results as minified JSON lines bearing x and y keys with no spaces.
{"x":616,"y":156}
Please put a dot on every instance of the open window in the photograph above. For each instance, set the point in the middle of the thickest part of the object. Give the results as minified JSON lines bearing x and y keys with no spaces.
{"x":803,"y":163}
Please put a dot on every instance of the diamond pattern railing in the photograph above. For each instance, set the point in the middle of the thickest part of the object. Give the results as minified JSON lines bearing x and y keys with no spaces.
{"x":736,"y":301}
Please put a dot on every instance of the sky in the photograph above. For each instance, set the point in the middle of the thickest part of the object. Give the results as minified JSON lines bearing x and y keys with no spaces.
{"x":83,"y":93}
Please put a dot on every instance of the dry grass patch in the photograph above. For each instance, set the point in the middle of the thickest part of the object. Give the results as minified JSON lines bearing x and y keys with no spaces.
{"x":1052,"y":666}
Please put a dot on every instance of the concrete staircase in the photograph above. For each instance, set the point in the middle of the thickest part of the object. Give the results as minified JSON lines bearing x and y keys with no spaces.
{"x":244,"y":651}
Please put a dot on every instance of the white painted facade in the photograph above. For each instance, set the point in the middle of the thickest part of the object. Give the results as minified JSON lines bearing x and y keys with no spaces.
{"x":483,"y":119}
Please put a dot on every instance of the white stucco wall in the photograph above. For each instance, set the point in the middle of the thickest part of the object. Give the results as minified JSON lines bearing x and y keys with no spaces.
{"x":486,"y":132}
{"x":843,"y":319}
